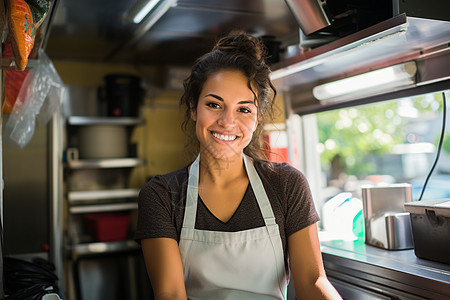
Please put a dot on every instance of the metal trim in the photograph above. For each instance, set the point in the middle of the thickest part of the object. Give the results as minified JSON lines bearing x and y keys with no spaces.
{"x":74,"y":196}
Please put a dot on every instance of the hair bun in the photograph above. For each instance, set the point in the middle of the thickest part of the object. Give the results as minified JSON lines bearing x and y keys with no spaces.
{"x":242,"y":43}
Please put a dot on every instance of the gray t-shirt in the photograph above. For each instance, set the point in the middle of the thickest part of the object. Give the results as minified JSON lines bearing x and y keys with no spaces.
{"x":162,"y":201}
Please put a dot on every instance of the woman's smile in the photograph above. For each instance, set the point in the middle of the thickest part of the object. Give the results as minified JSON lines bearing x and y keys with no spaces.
{"x":224,"y":137}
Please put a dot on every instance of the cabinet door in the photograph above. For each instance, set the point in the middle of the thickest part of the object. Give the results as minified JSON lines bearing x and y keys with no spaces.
{"x":352,"y":292}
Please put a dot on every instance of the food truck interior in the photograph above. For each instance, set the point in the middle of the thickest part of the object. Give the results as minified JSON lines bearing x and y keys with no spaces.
{"x":361,"y":105}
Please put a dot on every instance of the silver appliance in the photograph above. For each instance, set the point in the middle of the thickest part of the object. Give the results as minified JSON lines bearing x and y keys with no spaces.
{"x":386,"y":223}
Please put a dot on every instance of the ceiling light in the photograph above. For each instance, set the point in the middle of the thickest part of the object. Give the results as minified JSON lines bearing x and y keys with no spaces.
{"x":142,"y":9}
{"x":369,"y":83}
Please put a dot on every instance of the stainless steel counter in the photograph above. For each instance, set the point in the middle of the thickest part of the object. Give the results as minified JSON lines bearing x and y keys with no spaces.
{"x":361,"y":271}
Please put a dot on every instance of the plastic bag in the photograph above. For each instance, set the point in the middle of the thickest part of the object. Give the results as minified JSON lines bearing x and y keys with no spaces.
{"x":15,"y":78}
{"x":13,"y":81}
{"x":41,"y":94}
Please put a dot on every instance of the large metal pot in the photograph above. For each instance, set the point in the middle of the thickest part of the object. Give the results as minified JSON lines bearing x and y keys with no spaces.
{"x":103,"y":141}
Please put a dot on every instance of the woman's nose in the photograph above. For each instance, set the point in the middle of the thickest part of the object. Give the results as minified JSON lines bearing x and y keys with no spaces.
{"x":226,"y":118}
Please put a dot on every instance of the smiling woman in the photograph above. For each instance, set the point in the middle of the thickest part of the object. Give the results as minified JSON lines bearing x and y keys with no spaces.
{"x":231,"y":225}
{"x":226,"y":115}
{"x":240,"y":54}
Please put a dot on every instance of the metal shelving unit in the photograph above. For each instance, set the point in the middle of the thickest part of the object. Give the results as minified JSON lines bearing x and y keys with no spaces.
{"x":100,"y":200}
{"x":96,"y":183}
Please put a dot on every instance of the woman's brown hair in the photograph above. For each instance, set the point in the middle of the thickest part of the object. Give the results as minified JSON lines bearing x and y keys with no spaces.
{"x":241,"y":52}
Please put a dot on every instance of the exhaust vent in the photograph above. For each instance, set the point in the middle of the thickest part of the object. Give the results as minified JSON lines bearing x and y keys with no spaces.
{"x":309,"y":14}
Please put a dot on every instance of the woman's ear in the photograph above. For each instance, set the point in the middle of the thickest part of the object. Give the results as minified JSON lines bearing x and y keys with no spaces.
{"x":193,"y":114}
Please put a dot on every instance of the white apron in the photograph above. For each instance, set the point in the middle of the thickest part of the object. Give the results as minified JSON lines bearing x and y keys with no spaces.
{"x":247,"y":264}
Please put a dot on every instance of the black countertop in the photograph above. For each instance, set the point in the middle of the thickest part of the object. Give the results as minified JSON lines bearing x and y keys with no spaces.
{"x":396,"y":270}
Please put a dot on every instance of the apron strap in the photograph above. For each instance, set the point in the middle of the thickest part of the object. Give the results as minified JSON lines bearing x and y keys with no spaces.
{"x":260,"y":194}
{"x":190,"y":213}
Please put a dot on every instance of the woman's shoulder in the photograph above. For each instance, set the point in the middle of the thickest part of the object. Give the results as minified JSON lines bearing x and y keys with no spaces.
{"x":270,"y":168}
{"x":281,"y":176}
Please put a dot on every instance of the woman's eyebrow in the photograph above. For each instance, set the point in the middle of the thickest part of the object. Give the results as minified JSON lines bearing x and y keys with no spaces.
{"x":214,"y":96}
{"x":221,"y":99}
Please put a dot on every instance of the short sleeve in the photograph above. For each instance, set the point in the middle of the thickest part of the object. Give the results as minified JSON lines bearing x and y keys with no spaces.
{"x":155,"y":211}
{"x":301,"y":211}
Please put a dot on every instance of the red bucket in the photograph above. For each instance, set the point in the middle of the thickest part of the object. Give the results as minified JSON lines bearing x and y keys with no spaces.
{"x":108,"y":227}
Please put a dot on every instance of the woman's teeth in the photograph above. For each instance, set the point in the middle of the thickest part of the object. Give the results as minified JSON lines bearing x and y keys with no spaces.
{"x":224,"y":137}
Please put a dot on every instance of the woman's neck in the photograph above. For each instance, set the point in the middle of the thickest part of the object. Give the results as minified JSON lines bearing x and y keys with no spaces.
{"x":221,"y":172}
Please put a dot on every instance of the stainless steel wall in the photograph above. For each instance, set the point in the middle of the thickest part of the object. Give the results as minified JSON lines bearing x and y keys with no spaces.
{"x":26,"y":194}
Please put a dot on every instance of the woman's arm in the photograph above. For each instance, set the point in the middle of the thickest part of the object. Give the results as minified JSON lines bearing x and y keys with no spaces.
{"x":308,"y":273}
{"x":164,"y":268}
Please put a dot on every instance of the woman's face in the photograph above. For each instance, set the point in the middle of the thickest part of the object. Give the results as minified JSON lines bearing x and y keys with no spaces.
{"x":226,"y":115}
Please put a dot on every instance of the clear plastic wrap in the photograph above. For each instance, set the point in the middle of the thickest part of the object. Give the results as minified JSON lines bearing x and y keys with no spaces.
{"x":41,"y":94}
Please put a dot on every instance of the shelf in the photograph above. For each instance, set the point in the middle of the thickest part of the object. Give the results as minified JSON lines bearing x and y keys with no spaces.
{"x":96,"y":208}
{"x":10,"y":63}
{"x":74,"y":196}
{"x":83,"y":121}
{"x":103,"y":248}
{"x":105,"y":163}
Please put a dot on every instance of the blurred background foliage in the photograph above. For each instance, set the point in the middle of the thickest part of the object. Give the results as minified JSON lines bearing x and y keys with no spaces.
{"x":348,"y":136}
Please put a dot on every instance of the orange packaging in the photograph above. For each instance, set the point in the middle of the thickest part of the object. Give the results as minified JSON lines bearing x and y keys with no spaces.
{"x":13,"y":82}
{"x":21,"y":30}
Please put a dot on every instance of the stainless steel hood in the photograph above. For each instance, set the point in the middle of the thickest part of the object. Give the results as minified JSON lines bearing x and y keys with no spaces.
{"x":96,"y":30}
{"x":399,"y":39}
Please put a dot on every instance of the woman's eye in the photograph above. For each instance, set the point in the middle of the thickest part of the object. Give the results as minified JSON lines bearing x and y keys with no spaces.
{"x":245,"y":110}
{"x":213,"y":105}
